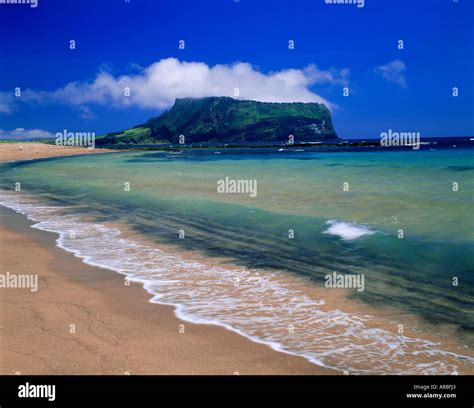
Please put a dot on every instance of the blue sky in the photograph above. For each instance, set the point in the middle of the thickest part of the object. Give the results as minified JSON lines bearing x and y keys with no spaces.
{"x":335,"y":46}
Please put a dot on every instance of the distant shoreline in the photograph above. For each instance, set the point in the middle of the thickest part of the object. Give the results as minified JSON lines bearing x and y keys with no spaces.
{"x":12,"y":150}
{"x":36,"y":150}
{"x":442,"y":142}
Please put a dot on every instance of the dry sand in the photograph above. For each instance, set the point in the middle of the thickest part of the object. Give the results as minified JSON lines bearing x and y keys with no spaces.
{"x":86,"y":320}
{"x":32,"y":150}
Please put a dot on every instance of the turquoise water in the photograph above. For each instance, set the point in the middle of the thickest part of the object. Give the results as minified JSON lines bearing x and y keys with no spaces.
{"x":346,"y":211}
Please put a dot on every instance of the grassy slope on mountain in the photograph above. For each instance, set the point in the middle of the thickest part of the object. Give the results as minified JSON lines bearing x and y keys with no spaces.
{"x":227,"y":120}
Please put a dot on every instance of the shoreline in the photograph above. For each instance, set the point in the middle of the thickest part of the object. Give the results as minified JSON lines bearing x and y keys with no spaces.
{"x":240,"y":354}
{"x":14,"y":151}
{"x":82,"y":265}
{"x":115,"y":325}
{"x":70,"y":257}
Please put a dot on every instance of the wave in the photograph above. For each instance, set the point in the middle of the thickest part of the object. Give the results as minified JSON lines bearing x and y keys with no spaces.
{"x":264,"y":306}
{"x":347,"y":231}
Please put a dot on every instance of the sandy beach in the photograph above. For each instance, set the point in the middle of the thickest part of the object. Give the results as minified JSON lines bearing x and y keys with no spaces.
{"x":87,"y":320}
{"x":33,"y":150}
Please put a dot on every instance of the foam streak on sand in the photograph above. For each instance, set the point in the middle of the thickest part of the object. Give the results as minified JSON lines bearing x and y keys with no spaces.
{"x":267,"y":307}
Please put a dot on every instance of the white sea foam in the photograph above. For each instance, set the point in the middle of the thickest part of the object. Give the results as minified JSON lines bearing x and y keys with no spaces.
{"x":346,"y":230}
{"x":261,"y":305}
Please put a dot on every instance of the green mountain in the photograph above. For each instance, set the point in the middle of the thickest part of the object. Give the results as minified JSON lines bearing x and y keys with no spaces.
{"x":227,"y":120}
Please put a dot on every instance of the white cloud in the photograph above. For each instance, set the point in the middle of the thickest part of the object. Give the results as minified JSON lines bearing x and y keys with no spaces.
{"x":24,"y":134}
{"x":157,"y":86}
{"x":6,"y":102}
{"x":86,"y":113}
{"x":393,"y":72}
